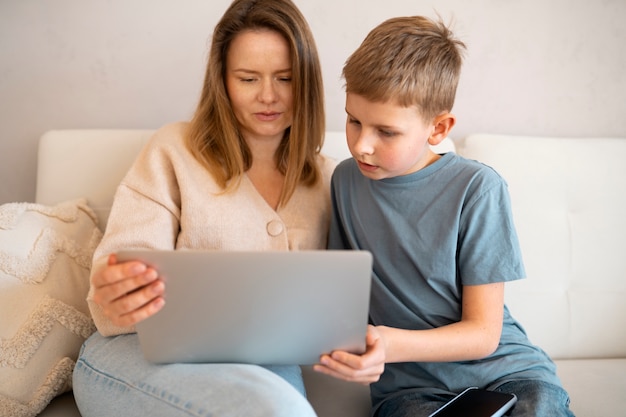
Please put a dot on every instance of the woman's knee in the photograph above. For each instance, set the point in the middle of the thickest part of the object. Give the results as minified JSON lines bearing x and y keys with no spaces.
{"x":111,"y":377}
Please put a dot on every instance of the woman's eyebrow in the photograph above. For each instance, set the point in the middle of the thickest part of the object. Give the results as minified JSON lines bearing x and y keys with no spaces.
{"x":251,"y":71}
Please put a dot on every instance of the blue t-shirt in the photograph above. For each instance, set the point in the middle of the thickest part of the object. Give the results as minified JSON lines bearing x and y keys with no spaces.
{"x":431,"y":232}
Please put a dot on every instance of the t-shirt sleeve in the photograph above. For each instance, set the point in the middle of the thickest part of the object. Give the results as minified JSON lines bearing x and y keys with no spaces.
{"x":488,"y":249}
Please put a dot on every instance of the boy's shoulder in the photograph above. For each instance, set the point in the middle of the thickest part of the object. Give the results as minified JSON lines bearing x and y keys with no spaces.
{"x":347,"y":174}
{"x":346,"y":163}
{"x":479,"y":168}
{"x":344,"y":167}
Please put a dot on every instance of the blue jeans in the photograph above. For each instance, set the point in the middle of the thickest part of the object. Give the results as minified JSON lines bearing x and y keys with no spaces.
{"x":534,"y":399}
{"x":111,"y":378}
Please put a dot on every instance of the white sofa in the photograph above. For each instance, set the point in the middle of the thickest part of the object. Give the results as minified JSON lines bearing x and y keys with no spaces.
{"x":568,"y":196}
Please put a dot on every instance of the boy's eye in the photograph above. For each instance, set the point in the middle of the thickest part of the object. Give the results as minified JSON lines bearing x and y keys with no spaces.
{"x":353,"y":121}
{"x":387,"y":133}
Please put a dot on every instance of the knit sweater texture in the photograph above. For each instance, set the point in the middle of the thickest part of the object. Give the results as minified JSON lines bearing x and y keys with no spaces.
{"x":168,"y":200}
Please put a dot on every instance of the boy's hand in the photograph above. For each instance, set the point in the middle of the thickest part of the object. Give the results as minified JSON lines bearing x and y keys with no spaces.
{"x":365,"y":368}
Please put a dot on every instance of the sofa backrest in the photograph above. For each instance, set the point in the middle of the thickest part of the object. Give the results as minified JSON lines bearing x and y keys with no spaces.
{"x":91,"y":163}
{"x":568,"y":198}
{"x":85,"y":163}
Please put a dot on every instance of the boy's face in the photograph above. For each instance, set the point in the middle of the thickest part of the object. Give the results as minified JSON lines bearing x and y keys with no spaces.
{"x":387,"y":140}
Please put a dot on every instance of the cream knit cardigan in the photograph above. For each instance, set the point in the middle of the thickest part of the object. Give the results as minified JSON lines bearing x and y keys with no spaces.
{"x":169,"y":201}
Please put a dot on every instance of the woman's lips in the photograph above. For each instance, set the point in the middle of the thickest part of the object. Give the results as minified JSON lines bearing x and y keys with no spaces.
{"x":267,"y":116}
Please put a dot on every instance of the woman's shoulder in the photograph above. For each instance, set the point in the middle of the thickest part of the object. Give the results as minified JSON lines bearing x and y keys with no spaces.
{"x":167,"y":143}
{"x":326,"y":163}
{"x":164,"y":153}
{"x":326,"y":166}
{"x":169,"y":134}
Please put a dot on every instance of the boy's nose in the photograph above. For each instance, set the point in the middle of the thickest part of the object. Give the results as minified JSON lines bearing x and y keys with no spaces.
{"x":363,"y":145}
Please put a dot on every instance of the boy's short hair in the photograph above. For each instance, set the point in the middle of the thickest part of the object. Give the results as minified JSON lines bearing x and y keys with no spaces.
{"x":410,"y":61}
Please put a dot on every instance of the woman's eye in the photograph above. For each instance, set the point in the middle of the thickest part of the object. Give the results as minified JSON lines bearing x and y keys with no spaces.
{"x":285,"y":79}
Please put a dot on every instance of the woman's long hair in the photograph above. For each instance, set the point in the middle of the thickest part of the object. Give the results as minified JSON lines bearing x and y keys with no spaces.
{"x":214,"y":136}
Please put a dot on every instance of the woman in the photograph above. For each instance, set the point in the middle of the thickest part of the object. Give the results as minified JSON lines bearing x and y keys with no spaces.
{"x":244,"y":174}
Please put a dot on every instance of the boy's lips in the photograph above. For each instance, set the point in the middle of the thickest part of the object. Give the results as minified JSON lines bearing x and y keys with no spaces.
{"x":366,"y":167}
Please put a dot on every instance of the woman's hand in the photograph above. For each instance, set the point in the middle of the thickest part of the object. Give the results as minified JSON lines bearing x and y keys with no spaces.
{"x":365,"y":368}
{"x":127,"y":292}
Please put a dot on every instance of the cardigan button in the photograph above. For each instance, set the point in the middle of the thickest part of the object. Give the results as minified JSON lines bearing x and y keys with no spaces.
{"x":275,"y":227}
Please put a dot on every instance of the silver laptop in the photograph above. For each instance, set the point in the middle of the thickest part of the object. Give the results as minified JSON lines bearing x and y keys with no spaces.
{"x":274,"y":307}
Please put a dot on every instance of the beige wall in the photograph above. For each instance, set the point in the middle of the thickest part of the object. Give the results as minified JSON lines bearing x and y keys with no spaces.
{"x":534,"y":67}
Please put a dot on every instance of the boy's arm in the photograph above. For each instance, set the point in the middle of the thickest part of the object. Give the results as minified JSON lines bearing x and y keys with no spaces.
{"x":475,"y":336}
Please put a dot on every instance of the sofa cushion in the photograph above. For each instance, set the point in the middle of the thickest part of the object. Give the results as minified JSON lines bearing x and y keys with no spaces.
{"x":568,"y":200}
{"x":596,"y":386}
{"x":45,"y":255}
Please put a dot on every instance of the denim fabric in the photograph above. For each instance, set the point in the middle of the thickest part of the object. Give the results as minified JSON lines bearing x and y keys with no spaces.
{"x":111,"y":378}
{"x":537,"y":399}
{"x":534,"y":399}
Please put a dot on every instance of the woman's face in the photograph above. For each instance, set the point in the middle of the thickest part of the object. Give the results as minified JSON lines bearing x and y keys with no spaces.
{"x":258,"y":82}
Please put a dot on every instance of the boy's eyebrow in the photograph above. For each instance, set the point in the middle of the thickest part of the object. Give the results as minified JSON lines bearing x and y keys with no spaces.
{"x":383,"y":127}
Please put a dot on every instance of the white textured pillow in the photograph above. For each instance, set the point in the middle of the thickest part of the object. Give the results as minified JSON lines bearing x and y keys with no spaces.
{"x":45,"y":256}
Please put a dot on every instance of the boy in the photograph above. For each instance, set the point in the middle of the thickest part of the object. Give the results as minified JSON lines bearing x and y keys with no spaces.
{"x":441,"y":232}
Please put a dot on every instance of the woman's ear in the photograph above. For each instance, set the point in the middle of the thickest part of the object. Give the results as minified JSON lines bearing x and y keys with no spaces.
{"x":442,"y":125}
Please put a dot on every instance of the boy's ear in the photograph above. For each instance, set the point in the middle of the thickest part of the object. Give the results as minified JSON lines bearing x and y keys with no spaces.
{"x":442,"y":125}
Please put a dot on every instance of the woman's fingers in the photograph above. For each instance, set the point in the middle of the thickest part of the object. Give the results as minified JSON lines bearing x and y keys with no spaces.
{"x":115,"y":280}
{"x":137,"y":305}
{"x":128,"y":292}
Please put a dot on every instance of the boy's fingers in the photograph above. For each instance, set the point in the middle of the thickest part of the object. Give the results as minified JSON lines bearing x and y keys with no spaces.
{"x":341,"y":370}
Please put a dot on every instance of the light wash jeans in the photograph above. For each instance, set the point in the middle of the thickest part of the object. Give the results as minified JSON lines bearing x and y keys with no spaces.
{"x":534,"y":399}
{"x":111,"y":378}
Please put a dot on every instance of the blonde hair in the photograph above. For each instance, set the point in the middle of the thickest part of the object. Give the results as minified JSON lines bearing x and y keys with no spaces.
{"x":214,"y":136}
{"x":410,"y":61}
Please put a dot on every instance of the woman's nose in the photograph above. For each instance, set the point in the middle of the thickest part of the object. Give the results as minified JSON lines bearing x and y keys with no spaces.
{"x":268,"y":92}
